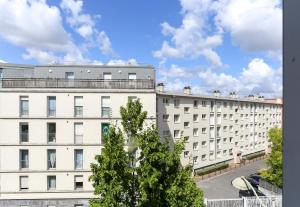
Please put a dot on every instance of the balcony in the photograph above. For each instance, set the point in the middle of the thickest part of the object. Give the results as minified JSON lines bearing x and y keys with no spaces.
{"x":77,"y":83}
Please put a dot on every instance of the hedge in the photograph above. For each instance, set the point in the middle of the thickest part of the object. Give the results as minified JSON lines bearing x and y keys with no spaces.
{"x":212,"y":169}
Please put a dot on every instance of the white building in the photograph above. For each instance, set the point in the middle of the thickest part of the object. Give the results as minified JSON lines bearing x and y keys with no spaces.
{"x":52,"y":119}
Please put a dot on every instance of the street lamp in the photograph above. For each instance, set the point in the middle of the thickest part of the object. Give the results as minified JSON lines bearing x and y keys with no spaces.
{"x":242,"y":183}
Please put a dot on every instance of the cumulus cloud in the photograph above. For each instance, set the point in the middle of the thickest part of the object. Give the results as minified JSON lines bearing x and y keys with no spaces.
{"x":131,"y":61}
{"x":254,"y":25}
{"x":2,"y":61}
{"x":257,"y":78}
{"x":191,"y":39}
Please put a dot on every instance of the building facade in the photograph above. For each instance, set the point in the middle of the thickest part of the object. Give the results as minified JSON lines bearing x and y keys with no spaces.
{"x":53,"y":117}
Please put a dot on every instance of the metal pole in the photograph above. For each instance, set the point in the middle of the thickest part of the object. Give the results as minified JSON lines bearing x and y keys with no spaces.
{"x":248,"y":184}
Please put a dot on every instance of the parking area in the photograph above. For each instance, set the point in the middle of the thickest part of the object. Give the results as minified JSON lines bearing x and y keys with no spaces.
{"x":220,"y":186}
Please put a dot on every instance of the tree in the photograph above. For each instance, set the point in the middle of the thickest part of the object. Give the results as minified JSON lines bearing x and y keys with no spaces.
{"x":274,"y":162}
{"x":111,"y":174}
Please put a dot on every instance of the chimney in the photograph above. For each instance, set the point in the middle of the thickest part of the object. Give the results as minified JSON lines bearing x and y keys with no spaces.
{"x":160,"y":87}
{"x":232,"y":95}
{"x":251,"y":97}
{"x":261,"y":98}
{"x":187,"y":90}
{"x":216,"y":93}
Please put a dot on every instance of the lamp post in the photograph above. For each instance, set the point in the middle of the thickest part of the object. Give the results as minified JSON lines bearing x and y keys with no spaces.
{"x":242,"y":183}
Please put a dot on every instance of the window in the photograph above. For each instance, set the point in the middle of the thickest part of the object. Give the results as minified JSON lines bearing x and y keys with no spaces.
{"x":165,"y":117}
{"x":224,"y":116}
{"x":24,"y":183}
{"x":195,"y":132}
{"x":218,"y":154}
{"x":195,"y":103}
{"x":212,"y":119}
{"x":51,"y":105}
{"x":230,"y":151}
{"x":132,"y":76}
{"x":224,"y":128}
{"x":78,"y":108}
{"x":219,"y":119}
{"x":24,"y":106}
{"x":212,"y":132}
{"x":78,"y":158}
{"x":176,"y":103}
{"x":176,"y":118}
{"x":105,"y":106}
{"x":166,"y":133}
{"x":78,"y":133}
{"x":231,"y":117}
{"x":51,"y":128}
{"x":231,"y":140}
{"x":104,"y":131}
{"x":203,"y":103}
{"x":176,"y":134}
{"x":69,"y":75}
{"x":212,"y":108}
{"x":107,"y":76}
{"x":203,"y":157}
{"x":203,"y":143}
{"x":186,"y":109}
{"x":186,"y":154}
{"x":195,"y":159}
{"x":24,"y":158}
{"x":224,"y":140}
{"x":195,"y":117}
{"x":203,"y":116}
{"x":231,"y":128}
{"x":195,"y":146}
{"x":186,"y":124}
{"x":166,"y":101}
{"x":51,"y":158}
{"x":24,"y":132}
{"x":224,"y":152}
{"x":186,"y":138}
{"x":211,"y":145}
{"x":51,"y":182}
{"x":225,"y":104}
{"x":78,"y":180}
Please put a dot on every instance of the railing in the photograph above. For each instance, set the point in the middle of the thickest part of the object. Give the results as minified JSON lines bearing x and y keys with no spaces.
{"x":275,"y":201}
{"x":269,"y":186}
{"x":77,"y":83}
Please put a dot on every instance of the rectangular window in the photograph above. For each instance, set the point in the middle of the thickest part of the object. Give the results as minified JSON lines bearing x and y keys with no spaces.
{"x":212,"y":119}
{"x":203,"y":103}
{"x":69,"y":75}
{"x":195,"y":146}
{"x":104,"y":131}
{"x":105,"y":106}
{"x":211,"y":145}
{"x":219,"y":119}
{"x":78,"y":133}
{"x":195,"y":159}
{"x":24,"y":159}
{"x":204,"y":130}
{"x":195,"y":103}
{"x":203,"y":116}
{"x":224,"y":116}
{"x":51,"y":105}
{"x":212,"y":132}
{"x":186,"y":124}
{"x":176,"y":103}
{"x":195,"y":132}
{"x":176,"y":134}
{"x":186,"y":139}
{"x":132,"y":76}
{"x":24,"y":130}
{"x":165,"y":117}
{"x":203,"y":157}
{"x":195,"y":118}
{"x":24,"y":183}
{"x":107,"y":76}
{"x":176,"y":118}
{"x":166,"y":101}
{"x":78,"y":182}
{"x":78,"y":158}
{"x":186,"y":109}
{"x":51,"y":182}
{"x":166,"y":133}
{"x":51,"y":154}
{"x":24,"y":106}
{"x":51,"y":127}
{"x":218,"y":131}
{"x":78,"y":106}
{"x":203,"y":143}
{"x":186,"y":154}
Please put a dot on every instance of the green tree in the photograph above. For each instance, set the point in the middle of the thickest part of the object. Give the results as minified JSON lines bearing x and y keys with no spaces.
{"x":111,"y":174}
{"x":274,"y":162}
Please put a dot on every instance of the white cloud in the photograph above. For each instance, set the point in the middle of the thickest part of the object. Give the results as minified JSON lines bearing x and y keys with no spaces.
{"x":257,"y":78}
{"x":40,"y":56}
{"x":105,"y":44}
{"x":191,"y":39}
{"x":2,"y":61}
{"x":254,"y":25}
{"x":175,"y":72}
{"x":131,"y":61}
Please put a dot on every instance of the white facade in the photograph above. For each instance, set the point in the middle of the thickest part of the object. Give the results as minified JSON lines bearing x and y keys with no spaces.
{"x":216,"y":129}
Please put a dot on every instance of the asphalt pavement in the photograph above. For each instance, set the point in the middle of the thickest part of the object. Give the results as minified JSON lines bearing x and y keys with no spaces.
{"x":220,"y":186}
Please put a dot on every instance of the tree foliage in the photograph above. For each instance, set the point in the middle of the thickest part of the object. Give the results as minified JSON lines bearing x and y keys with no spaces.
{"x":159,"y":179}
{"x":274,"y":162}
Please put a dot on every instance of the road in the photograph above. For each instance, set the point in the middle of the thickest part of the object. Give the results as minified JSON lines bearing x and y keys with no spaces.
{"x":220,"y":186}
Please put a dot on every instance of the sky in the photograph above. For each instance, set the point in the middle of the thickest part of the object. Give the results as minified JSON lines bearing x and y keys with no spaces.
{"x":226,"y":45}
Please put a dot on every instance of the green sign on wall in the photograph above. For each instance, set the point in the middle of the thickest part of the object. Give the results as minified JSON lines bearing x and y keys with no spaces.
{"x":104,"y":129}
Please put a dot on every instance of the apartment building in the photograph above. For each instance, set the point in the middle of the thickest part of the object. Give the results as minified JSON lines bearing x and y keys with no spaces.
{"x":52,"y":119}
{"x":216,"y":129}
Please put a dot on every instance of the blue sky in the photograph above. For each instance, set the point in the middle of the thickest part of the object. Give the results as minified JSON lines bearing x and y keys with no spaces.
{"x":229,"y":45}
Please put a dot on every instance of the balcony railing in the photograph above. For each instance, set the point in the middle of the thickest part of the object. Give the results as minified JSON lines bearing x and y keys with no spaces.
{"x":77,"y":83}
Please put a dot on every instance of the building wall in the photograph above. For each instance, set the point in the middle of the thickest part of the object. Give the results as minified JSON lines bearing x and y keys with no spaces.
{"x":242,"y":129}
{"x":37,"y":145}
